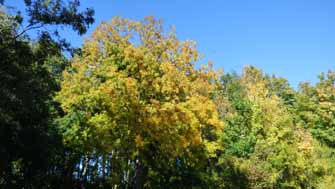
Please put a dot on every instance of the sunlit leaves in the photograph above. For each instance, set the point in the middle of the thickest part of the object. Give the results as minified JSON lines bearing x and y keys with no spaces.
{"x":260,"y":138}
{"x":138,"y":87}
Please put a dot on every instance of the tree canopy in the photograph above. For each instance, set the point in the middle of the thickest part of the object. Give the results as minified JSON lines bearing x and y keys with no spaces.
{"x":134,"y":108}
{"x":140,"y":99}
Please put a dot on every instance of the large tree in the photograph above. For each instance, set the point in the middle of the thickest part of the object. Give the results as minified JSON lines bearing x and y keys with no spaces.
{"x":135,"y":94}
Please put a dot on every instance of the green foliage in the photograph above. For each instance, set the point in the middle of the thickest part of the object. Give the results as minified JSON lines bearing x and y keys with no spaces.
{"x":26,"y":89}
{"x":132,"y":111}
{"x":315,"y":108}
{"x":58,"y":12}
{"x":42,"y":15}
{"x":260,"y":139}
{"x":32,"y":153}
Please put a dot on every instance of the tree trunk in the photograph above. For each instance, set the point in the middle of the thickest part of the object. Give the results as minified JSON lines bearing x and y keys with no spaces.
{"x":141,"y":172}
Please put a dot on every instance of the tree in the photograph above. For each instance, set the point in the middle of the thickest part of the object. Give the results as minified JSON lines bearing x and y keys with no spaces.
{"x":315,"y":108}
{"x":314,"y":111}
{"x":135,"y":94}
{"x":43,"y":14}
{"x":24,"y":112}
{"x":262,"y":146}
{"x":31,"y":147}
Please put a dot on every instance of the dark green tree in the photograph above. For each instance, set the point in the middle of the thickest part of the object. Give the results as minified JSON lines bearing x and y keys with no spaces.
{"x":31,"y":149}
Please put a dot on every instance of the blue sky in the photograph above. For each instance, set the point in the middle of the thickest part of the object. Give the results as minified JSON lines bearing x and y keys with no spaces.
{"x":294,"y":39}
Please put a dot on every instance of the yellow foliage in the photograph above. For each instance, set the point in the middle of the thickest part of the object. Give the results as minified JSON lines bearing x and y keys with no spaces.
{"x":139,"y":85}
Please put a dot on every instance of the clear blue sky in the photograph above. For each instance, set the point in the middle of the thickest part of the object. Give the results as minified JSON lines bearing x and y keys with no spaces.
{"x":294,"y":39}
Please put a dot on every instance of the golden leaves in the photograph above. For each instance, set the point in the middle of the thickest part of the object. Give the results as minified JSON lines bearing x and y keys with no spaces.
{"x":136,"y":81}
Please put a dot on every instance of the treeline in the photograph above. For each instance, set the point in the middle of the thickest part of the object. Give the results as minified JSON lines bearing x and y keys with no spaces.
{"x":131,"y":110}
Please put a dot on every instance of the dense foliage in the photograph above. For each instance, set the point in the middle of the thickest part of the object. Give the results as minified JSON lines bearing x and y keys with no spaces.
{"x":134,"y":109}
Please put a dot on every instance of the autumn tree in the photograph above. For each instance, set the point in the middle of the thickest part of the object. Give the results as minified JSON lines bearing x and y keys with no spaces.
{"x":263,"y":147}
{"x":315,"y":108}
{"x":134,"y":109}
{"x":136,"y":95}
{"x":314,"y":111}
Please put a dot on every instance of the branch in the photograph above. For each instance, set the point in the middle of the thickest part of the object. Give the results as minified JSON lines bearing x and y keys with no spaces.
{"x":27,"y":28}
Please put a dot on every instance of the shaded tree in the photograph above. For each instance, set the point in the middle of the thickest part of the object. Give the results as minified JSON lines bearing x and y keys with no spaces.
{"x":31,"y":148}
